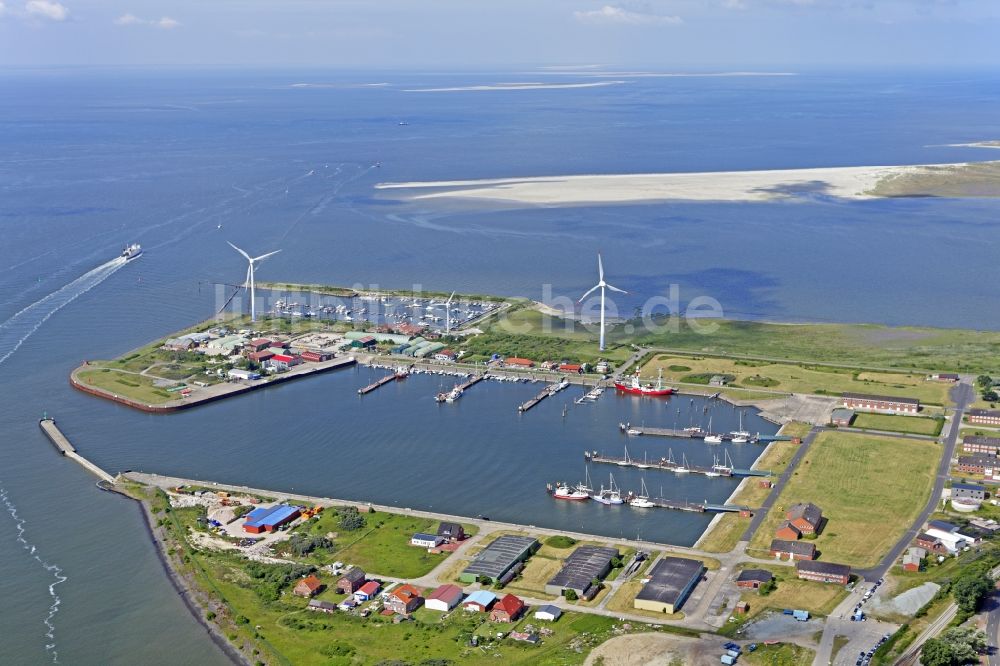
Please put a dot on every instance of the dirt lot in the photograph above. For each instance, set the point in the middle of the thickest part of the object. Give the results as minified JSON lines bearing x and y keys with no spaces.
{"x":657,"y":649}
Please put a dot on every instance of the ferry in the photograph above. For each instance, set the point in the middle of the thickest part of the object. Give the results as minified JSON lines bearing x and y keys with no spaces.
{"x":131,"y":251}
{"x":635,"y":386}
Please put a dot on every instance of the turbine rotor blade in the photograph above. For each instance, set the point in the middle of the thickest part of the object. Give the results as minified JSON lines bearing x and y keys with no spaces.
{"x":589,"y":292}
{"x":450,"y":297}
{"x":600,"y":267}
{"x":240,"y":251}
{"x":620,"y":291}
{"x":246,"y":284}
{"x":264,"y":256}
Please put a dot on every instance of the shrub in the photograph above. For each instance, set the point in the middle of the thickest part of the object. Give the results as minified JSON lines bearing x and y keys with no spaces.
{"x":351,"y":519}
{"x":560,"y":541}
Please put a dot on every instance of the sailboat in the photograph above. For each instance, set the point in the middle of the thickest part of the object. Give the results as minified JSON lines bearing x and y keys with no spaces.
{"x":715,"y":467}
{"x":627,"y":461}
{"x":585,"y":486}
{"x":641,"y":501}
{"x":712,"y":438}
{"x":610,"y":496}
{"x":740,"y":436}
{"x":726,"y":468}
{"x":683,"y":469}
{"x":645,"y":463}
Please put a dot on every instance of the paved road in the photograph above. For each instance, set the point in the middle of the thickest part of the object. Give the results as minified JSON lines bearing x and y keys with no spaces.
{"x":963,"y":394}
{"x":992,"y":607}
{"x":761,"y":513}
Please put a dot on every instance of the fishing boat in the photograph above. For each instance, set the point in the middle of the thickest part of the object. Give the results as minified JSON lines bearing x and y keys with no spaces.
{"x":402,"y":372}
{"x":562,"y":491}
{"x":611,"y":495}
{"x":641,"y":501}
{"x":636,"y":387}
{"x":453,"y":394}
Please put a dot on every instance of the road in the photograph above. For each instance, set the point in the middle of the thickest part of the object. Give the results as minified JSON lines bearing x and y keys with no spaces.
{"x":992,"y":607}
{"x":963,"y":394}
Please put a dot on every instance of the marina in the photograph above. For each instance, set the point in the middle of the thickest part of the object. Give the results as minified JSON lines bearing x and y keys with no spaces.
{"x":694,"y":433}
{"x":549,"y":390}
{"x":665,"y":464}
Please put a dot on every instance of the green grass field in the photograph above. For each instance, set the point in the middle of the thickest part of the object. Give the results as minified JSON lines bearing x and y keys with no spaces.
{"x":136,"y":387}
{"x":793,"y":378}
{"x":782,"y":654}
{"x":870,"y":489}
{"x":817,"y":598}
{"x":382,"y":546}
{"x":919,"y":425}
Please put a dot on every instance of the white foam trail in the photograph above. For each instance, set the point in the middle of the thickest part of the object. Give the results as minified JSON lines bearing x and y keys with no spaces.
{"x":57,"y":575}
{"x":22,"y":325}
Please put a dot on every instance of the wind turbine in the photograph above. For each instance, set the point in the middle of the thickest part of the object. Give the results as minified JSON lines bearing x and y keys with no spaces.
{"x":249,"y":284}
{"x":602,"y":285}
{"x":447,"y":314}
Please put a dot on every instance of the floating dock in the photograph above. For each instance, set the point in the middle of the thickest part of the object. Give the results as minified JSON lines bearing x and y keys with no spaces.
{"x":48,"y":426}
{"x":472,"y":381}
{"x":682,"y":434}
{"x":551,"y":389}
{"x":696,"y":507}
{"x":378,"y":383}
{"x":664,"y":464}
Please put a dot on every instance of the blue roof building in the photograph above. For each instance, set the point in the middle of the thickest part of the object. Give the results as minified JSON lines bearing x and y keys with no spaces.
{"x":268,"y":519}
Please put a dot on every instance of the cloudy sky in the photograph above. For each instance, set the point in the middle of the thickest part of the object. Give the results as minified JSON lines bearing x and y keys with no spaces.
{"x":665,"y":34}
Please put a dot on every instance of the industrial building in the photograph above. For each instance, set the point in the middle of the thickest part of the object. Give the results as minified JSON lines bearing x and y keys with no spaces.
{"x":268,"y":519}
{"x":670,"y":583}
{"x":499,"y":557}
{"x":581,"y":568}
{"x":881,"y":403}
{"x":823,"y":572}
{"x":968,"y":491}
{"x":548,"y":612}
{"x":444,"y":598}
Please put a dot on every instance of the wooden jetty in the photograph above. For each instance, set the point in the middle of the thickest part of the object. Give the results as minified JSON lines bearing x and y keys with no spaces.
{"x":664,"y":464}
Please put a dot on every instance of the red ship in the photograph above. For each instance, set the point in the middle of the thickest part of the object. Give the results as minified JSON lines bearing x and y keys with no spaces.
{"x":635,"y":387}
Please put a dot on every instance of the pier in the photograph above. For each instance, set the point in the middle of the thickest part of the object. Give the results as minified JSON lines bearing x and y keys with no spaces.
{"x":62,"y":443}
{"x":378,"y":383}
{"x":664,"y":464}
{"x":551,"y":389}
{"x":682,"y":434}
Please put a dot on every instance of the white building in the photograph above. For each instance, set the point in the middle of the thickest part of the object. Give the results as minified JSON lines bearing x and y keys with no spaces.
{"x":238,"y":373}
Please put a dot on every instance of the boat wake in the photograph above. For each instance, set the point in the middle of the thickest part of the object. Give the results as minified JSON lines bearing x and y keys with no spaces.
{"x":16,"y":330}
{"x":57,"y":575}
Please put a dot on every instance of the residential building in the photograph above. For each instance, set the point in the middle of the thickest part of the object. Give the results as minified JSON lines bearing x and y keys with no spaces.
{"x":444,"y":598}
{"x":499,"y":557}
{"x":426,"y":540}
{"x":548,"y":613}
{"x":479,"y":601}
{"x":823,"y":572}
{"x":669,"y":584}
{"x":793,"y":550}
{"x":515,"y":362}
{"x":571,"y":368}
{"x":404,"y":599}
{"x":367,"y":591}
{"x":451,"y":531}
{"x":308,"y":587}
{"x":351,"y":581}
{"x":988,"y":466}
{"x":753,"y":578}
{"x":445,"y":355}
{"x":581,"y":568}
{"x":931,"y":543}
{"x":983,"y":416}
{"x":321,"y":606}
{"x":508,"y":609}
{"x":881,"y":403}
{"x":787,"y":531}
{"x":806,"y":518}
{"x":978,"y":444}
{"x":968,"y":491}
{"x":913,"y":559}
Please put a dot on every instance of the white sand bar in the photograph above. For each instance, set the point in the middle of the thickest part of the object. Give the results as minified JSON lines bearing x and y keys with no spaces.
{"x":842,"y":182}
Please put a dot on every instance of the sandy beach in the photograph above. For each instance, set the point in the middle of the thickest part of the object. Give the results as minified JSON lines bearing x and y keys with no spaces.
{"x":841,"y":182}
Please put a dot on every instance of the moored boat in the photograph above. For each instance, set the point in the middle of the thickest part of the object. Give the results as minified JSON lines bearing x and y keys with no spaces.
{"x":635,"y":386}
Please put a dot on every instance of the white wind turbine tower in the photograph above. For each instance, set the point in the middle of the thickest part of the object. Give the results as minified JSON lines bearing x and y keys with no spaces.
{"x":447,"y":314}
{"x":249,"y":284}
{"x":602,"y":285}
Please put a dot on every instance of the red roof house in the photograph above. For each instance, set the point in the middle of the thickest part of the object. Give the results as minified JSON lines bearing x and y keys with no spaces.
{"x":308,"y":586}
{"x":570,"y":367}
{"x":508,"y":609}
{"x":404,"y":599}
{"x":515,"y":362}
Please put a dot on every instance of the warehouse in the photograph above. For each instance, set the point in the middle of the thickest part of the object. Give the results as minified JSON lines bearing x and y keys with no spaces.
{"x":581,"y":568}
{"x":823,"y":572}
{"x":881,"y":403}
{"x":499,"y":557}
{"x":671,"y":581}
{"x":268,"y":519}
{"x":984,"y":416}
{"x":444,"y":598}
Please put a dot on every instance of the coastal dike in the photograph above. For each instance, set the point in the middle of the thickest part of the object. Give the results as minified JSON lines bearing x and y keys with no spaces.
{"x":208,"y":394}
{"x":55,"y":435}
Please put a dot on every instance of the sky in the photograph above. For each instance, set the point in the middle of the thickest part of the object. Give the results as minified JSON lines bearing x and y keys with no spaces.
{"x":482,"y":34}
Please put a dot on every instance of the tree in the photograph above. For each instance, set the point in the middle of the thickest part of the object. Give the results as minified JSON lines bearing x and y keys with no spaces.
{"x":936,"y":653}
{"x":767,"y":588}
{"x":969,"y":590}
{"x":984,"y":381}
{"x":350,"y":519}
{"x":570,"y":595}
{"x":991,"y":396}
{"x":965,"y":643}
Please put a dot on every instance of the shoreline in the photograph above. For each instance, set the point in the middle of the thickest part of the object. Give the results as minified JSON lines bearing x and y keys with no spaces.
{"x":187,"y":591}
{"x":850,"y":183}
